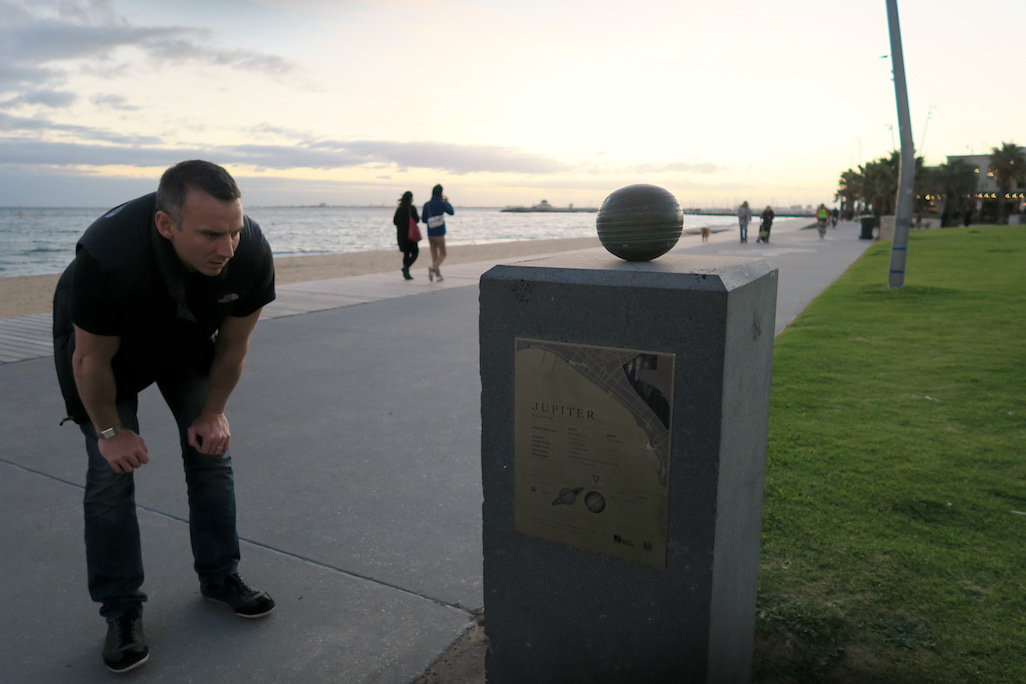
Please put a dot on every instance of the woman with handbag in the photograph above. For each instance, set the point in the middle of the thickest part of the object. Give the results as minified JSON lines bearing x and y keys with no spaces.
{"x":434,"y":215}
{"x":407,"y":231}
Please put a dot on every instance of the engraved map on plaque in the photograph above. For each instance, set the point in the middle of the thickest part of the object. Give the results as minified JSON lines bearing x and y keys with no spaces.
{"x":592,"y":447}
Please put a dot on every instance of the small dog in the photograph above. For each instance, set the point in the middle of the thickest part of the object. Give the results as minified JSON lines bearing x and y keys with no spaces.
{"x":705,"y":233}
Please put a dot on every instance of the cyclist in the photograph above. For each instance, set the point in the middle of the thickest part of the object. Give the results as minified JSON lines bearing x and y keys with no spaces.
{"x":822,"y":215}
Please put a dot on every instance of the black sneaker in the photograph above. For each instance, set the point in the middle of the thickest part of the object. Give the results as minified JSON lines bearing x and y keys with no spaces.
{"x":234,"y":592}
{"x":125,"y":648}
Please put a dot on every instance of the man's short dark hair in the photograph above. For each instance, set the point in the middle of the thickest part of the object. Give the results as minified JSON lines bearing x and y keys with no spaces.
{"x":196,"y":173}
{"x":436,"y":191}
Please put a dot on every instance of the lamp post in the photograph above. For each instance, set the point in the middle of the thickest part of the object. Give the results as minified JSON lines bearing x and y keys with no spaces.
{"x":907,"y":168}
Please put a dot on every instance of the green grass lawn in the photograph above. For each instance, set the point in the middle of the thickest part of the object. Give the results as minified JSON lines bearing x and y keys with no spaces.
{"x":895,"y":510}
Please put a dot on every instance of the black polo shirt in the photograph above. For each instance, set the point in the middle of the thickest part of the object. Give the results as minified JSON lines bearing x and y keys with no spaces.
{"x":126,"y":280}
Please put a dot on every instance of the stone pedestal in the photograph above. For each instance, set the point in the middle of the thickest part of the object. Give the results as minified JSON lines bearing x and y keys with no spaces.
{"x":624,"y":421}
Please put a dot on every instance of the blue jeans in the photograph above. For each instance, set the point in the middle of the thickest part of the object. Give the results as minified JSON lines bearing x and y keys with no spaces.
{"x":744,"y":230}
{"x":113,"y":550}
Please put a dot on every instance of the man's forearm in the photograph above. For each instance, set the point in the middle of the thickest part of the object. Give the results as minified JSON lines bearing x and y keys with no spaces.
{"x":225,"y":372}
{"x":230,"y":351}
{"x":97,"y":389}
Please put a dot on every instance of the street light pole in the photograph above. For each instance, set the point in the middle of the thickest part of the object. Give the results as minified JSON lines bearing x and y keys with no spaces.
{"x":907,"y":168}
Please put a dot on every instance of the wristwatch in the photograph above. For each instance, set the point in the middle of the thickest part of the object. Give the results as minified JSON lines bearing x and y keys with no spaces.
{"x":111,"y":432}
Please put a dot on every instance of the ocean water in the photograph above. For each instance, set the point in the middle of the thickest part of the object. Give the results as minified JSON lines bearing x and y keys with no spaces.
{"x":42,"y":240}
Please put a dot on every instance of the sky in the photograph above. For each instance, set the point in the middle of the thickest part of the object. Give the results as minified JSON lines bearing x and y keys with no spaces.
{"x":504,"y":102}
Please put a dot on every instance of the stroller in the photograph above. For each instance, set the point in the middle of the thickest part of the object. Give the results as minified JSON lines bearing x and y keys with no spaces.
{"x":764,"y":231}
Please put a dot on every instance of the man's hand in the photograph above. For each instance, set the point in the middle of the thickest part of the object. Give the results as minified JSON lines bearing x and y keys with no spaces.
{"x":124,"y":453}
{"x":210,"y":434}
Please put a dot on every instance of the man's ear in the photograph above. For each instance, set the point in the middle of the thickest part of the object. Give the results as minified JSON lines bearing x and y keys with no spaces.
{"x":165,"y":224}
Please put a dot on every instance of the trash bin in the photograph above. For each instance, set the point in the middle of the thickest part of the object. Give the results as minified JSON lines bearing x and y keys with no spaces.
{"x":868,"y":223}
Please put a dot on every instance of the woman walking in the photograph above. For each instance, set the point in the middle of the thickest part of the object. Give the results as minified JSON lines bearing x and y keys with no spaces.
{"x":434,"y":215}
{"x":404,"y":213}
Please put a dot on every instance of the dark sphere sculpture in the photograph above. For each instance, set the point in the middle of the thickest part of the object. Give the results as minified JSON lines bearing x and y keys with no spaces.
{"x":639,"y":222}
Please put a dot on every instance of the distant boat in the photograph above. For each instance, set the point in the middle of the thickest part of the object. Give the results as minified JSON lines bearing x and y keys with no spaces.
{"x":544,"y":206}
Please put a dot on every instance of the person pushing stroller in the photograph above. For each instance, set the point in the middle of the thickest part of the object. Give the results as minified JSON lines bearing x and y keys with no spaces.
{"x":766,"y":225}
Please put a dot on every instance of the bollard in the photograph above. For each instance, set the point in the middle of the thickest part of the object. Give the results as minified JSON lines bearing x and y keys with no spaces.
{"x":624,"y":420}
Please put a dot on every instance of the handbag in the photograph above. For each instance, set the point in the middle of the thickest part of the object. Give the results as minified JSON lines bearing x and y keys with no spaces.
{"x":436,"y":221}
{"x":414,"y":232}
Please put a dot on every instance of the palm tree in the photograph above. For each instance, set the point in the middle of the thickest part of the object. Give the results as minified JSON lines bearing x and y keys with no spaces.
{"x":880,"y":187}
{"x":1008,"y":164}
{"x":876,"y":184}
{"x":849,"y":189}
{"x":956,"y":182}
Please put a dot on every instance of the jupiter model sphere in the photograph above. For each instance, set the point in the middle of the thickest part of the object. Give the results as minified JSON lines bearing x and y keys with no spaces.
{"x":639,"y":222}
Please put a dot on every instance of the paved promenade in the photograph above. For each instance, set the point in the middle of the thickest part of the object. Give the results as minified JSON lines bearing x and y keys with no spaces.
{"x":356,"y":442}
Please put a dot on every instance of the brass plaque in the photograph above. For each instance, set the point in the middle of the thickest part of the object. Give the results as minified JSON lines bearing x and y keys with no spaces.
{"x":592,"y":447}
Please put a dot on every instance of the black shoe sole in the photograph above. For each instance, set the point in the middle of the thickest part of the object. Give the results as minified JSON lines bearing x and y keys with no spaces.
{"x":145,"y":659}
{"x":249,"y":617}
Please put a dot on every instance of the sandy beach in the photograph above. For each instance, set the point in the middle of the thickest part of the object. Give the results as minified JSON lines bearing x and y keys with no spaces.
{"x":26,"y":295}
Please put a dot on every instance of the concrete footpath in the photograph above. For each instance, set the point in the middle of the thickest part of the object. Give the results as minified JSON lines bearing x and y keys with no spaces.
{"x":356,"y":443}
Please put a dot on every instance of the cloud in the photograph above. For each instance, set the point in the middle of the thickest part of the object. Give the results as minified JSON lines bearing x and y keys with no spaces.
{"x":681,"y":167}
{"x":37,"y":48}
{"x":69,"y":188}
{"x":55,"y":99}
{"x":455,"y":158}
{"x":13,"y":72}
{"x":29,"y":147}
{"x":87,"y":11}
{"x":111,"y":148}
{"x":29,"y":152}
{"x":452,"y":157}
{"x":267,"y":129}
{"x":183,"y":49}
{"x":9,"y":122}
{"x":118,"y":102}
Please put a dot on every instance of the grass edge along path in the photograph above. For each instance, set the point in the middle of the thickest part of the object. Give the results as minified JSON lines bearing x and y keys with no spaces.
{"x":895,"y":501}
